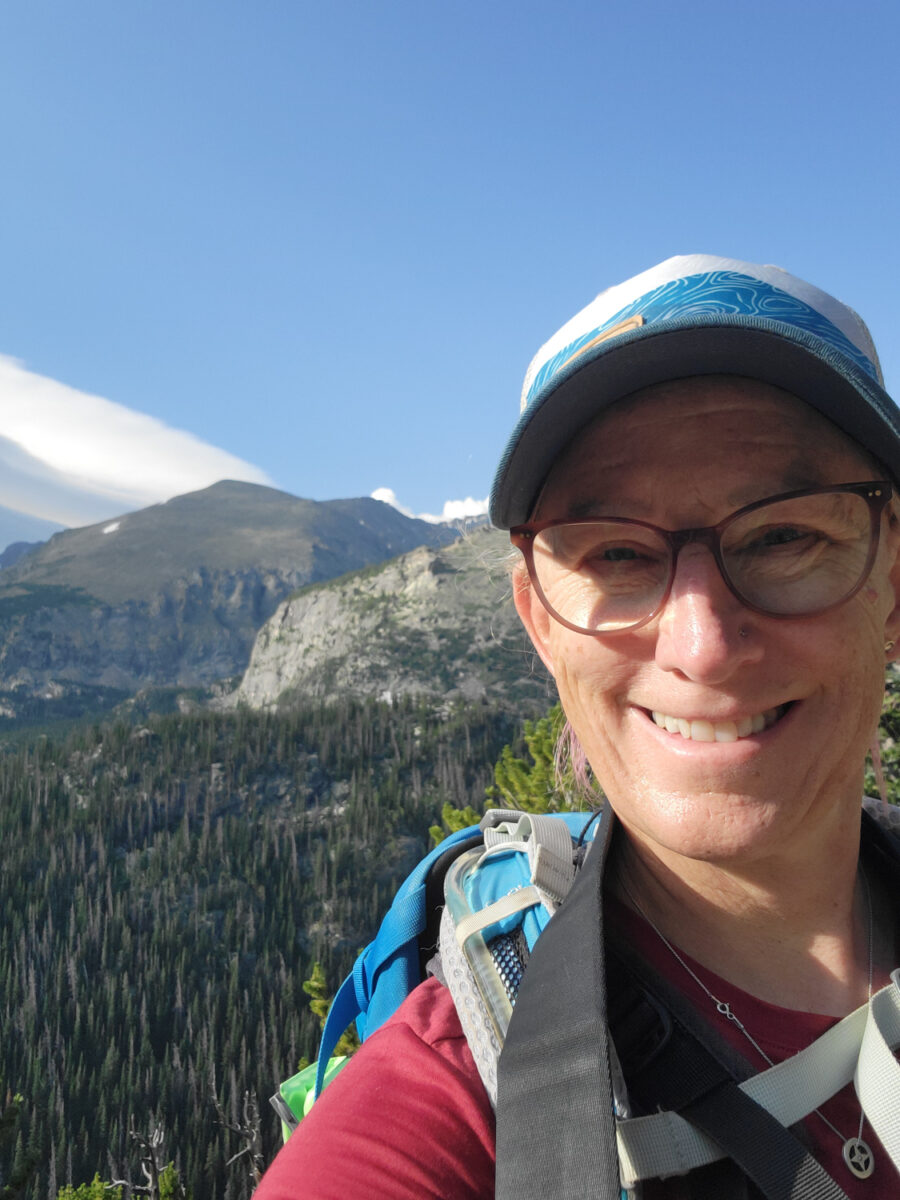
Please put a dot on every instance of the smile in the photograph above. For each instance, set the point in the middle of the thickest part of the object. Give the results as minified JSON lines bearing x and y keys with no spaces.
{"x":700,"y":730}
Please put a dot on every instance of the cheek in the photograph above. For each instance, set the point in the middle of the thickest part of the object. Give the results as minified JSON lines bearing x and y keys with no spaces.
{"x":593,"y":683}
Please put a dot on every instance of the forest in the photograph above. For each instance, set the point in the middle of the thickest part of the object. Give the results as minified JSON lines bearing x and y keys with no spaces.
{"x":167,"y":888}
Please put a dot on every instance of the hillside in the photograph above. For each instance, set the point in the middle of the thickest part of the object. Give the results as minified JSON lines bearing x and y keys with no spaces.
{"x":431,"y":623}
{"x":173,"y":595}
{"x":165,"y":891}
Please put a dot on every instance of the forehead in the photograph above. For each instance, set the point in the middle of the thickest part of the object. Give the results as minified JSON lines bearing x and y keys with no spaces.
{"x":705,"y":441}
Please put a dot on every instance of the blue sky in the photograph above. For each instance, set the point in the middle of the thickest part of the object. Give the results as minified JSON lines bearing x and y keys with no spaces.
{"x":318,"y":245}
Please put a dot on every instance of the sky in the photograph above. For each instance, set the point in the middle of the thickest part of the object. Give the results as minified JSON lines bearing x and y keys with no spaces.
{"x":316,"y":245}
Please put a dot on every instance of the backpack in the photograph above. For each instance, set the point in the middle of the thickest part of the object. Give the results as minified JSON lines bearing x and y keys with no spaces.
{"x":568,"y":1051}
{"x":497,"y":885}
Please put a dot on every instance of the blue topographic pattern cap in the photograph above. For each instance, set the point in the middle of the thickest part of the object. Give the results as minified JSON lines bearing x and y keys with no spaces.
{"x":695,"y":315}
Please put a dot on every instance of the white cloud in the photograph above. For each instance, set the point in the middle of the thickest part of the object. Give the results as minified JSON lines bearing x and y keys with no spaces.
{"x":74,"y":458}
{"x":458,"y":510}
{"x":454,"y":510}
{"x":389,"y":496}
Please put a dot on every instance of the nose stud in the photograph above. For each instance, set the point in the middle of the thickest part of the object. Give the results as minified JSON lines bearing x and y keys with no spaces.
{"x":744,"y":633}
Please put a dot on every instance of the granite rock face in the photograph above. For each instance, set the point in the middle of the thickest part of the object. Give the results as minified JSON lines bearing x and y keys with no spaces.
{"x":437,"y":623}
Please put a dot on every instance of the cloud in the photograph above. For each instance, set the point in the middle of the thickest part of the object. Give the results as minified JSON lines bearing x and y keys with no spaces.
{"x":73,"y":458}
{"x":454,"y":510}
{"x":389,"y":496}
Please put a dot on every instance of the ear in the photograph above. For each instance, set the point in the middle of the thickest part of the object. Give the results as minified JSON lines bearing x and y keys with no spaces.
{"x":892,"y":624}
{"x":533,"y":615}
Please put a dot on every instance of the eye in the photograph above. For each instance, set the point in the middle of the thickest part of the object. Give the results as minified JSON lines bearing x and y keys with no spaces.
{"x":608,"y":554}
{"x":780,"y":537}
{"x":783,"y":535}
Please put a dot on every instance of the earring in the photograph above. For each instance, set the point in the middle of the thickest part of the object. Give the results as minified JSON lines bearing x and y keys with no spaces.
{"x":889,"y":645}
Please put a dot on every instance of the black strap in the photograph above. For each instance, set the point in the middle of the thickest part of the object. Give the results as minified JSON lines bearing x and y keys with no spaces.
{"x":556,"y":1134}
{"x":777,"y":1162}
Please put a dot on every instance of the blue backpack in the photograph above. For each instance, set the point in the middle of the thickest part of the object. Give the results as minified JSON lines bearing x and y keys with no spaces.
{"x":484,"y":895}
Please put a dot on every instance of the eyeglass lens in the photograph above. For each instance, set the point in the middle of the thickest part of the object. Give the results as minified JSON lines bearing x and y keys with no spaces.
{"x":793,"y":556}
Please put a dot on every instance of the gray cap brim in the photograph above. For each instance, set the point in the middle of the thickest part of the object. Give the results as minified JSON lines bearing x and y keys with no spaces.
{"x":770,"y":351}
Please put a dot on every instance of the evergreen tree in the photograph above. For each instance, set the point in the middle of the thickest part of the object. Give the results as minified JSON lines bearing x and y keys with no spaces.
{"x":95,"y":1190}
{"x":537,"y":776}
{"x":319,"y":1003}
{"x":16,"y":1165}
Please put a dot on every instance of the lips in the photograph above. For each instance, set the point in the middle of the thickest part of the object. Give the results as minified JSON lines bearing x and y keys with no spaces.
{"x":698,"y":729}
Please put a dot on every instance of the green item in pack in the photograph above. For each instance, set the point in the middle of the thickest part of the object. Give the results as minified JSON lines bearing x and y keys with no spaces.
{"x":298,"y":1092}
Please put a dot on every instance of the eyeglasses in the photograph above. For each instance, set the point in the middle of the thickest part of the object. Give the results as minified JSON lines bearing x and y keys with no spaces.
{"x":792,"y":555}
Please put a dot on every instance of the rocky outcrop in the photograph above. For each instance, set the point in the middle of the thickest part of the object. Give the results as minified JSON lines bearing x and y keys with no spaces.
{"x":436,"y":623}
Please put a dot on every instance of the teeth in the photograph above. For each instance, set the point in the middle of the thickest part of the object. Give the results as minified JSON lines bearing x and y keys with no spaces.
{"x":700,"y":730}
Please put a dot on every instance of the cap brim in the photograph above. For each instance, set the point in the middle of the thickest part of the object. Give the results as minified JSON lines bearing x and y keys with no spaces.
{"x":770,"y":351}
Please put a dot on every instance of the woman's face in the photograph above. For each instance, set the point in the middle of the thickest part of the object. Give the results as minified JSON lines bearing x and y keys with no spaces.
{"x":683,"y":455}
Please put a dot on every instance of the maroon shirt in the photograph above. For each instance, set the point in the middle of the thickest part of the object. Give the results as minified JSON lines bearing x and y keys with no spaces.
{"x":408,"y":1118}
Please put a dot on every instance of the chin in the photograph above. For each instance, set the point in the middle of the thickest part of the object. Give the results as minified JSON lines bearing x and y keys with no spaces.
{"x":711,"y":828}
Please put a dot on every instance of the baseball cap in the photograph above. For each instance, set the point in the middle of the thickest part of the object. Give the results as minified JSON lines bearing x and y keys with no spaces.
{"x":695,"y":314}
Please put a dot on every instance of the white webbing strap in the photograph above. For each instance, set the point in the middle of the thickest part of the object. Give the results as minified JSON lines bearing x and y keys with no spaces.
{"x":877,"y":1078}
{"x":550,"y":856}
{"x":859,"y":1047}
{"x":547,"y":842}
{"x":524,"y":897}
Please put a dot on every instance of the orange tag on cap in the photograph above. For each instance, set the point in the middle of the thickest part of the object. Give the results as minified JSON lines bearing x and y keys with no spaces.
{"x":634,"y":322}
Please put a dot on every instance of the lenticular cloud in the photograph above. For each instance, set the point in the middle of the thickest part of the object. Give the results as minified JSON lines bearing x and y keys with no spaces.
{"x":74,"y":458}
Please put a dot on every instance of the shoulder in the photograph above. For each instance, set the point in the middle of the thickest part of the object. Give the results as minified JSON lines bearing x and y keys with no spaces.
{"x":408,"y":1117}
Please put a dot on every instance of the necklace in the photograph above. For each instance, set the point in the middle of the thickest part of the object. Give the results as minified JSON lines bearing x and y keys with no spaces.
{"x":856,"y":1153}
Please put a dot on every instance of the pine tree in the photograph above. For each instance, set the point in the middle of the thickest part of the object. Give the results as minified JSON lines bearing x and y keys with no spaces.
{"x":95,"y":1190}
{"x":320,"y":1002}
{"x":544,"y":781}
{"x":15,"y":1180}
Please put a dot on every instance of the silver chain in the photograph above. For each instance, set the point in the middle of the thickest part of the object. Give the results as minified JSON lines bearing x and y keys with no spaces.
{"x":856,"y":1153}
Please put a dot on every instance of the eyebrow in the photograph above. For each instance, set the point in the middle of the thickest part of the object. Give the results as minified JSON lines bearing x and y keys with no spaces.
{"x":795,"y":479}
{"x":591,"y":508}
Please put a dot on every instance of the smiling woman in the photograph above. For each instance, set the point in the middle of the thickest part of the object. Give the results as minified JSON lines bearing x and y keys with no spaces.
{"x":695,"y":649}
{"x":702,"y":488}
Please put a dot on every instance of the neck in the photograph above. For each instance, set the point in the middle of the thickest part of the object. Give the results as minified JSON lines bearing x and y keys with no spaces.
{"x":793,"y":933}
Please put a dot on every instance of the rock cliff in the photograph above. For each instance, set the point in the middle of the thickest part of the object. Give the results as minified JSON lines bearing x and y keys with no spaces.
{"x":436,"y":623}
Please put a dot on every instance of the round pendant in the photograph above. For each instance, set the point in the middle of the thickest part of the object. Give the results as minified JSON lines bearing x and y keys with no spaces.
{"x":858,"y":1157}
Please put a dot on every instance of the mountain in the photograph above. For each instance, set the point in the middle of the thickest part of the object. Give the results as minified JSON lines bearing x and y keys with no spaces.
{"x":433,"y":623}
{"x":15,"y":551}
{"x":20,"y":527}
{"x":174,"y":594}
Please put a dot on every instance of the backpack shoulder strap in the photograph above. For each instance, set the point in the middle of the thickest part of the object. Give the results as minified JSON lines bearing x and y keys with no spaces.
{"x":554,"y":1072}
{"x":498,"y":900}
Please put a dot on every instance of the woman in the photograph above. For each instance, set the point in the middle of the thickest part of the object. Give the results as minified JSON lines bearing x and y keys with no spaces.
{"x":700,"y":486}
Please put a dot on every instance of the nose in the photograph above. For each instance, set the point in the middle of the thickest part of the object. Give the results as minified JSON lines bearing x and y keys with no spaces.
{"x":703,"y":631}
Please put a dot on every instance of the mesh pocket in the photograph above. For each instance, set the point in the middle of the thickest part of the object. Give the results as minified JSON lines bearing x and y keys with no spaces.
{"x":510,"y":954}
